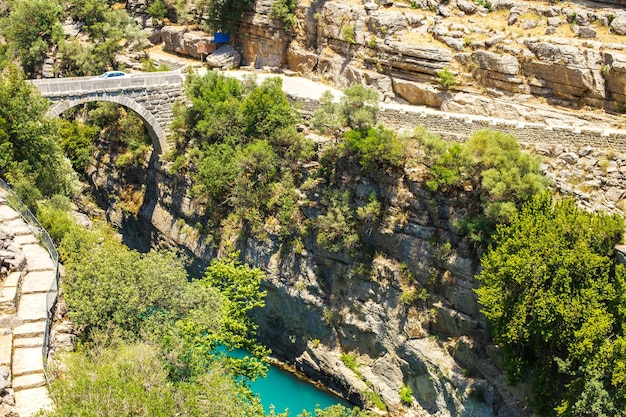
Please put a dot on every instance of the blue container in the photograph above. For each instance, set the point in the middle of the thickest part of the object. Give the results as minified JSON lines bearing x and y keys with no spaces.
{"x":220,"y":37}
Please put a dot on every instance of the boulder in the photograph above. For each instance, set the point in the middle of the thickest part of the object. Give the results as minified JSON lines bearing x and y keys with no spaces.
{"x":383,"y":22}
{"x":555,"y":21}
{"x":182,"y":41}
{"x":301,"y":60}
{"x":226,"y":57}
{"x":468,"y":7}
{"x":504,"y":64}
{"x":586,"y":32}
{"x":421,"y":94}
{"x":618,"y":25}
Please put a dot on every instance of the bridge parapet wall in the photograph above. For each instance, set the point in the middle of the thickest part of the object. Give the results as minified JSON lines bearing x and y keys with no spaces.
{"x":152,"y":96}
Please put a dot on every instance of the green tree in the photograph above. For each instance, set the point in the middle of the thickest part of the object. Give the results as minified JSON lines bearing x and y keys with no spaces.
{"x":327,"y":119}
{"x":266,"y":109}
{"x":31,"y":27}
{"x":132,"y":380}
{"x":240,"y":287}
{"x":376,"y":147}
{"x":553,"y":294}
{"x":492,"y":167}
{"x":336,"y":228}
{"x":28,"y":139}
{"x":359,"y":107}
{"x":107,"y":285}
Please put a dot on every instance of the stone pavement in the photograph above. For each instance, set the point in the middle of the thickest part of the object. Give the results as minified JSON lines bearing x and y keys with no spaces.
{"x":23,"y":297}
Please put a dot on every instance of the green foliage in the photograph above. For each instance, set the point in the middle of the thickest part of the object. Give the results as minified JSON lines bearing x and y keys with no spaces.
{"x":123,"y":131}
{"x":406,"y":395}
{"x":28,"y":139}
{"x":239,"y":285}
{"x":242,"y":141}
{"x":107,"y":284}
{"x":492,"y":167}
{"x":132,"y":380}
{"x":266,"y":109}
{"x":327,"y":119}
{"x":77,"y":142}
{"x":338,"y":411}
{"x":446,"y":79}
{"x":553,"y":293}
{"x":157,"y":9}
{"x":357,"y":110}
{"x":349,"y":359}
{"x":224,"y":15}
{"x":486,"y":4}
{"x":348,"y":34}
{"x":376,"y":147}
{"x":372,"y":399}
{"x":359,"y":107}
{"x":110,"y":31}
{"x":336,"y":228}
{"x":30,"y":29}
{"x":283,"y":10}
{"x":372,"y":210}
{"x":56,"y":219}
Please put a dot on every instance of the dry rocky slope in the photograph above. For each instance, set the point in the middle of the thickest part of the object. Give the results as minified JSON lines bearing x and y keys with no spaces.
{"x":531,"y":61}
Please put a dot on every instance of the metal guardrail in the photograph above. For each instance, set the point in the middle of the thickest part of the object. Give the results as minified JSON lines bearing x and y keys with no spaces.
{"x":46,"y":240}
{"x":65,"y":86}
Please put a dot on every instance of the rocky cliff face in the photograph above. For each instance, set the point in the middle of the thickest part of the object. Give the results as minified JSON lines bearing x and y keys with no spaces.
{"x":520,"y":60}
{"x":406,"y":313}
{"x":565,"y":54}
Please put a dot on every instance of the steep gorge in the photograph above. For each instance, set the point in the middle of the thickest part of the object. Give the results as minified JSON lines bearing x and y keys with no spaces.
{"x":404,"y":309}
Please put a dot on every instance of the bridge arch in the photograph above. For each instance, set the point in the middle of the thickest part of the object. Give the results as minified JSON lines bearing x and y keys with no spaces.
{"x":155,"y":130}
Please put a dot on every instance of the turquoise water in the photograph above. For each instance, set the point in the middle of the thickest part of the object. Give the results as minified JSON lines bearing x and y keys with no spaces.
{"x":286,"y":391}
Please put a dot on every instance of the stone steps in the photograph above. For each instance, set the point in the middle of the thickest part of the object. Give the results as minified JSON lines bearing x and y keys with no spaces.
{"x":23,"y":304}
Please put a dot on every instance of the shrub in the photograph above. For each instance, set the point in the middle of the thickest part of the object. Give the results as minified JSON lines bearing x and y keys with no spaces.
{"x":336,"y":229}
{"x":347,"y":33}
{"x":359,"y":107}
{"x":377,"y":147}
{"x":406,"y":395}
{"x":446,"y":79}
{"x":283,"y":10}
{"x":157,"y":9}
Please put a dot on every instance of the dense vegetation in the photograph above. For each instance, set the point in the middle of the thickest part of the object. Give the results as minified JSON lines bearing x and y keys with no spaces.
{"x":101,"y":30}
{"x":151,"y":342}
{"x":30,"y":155}
{"x":554,"y":294}
{"x":491,"y":167}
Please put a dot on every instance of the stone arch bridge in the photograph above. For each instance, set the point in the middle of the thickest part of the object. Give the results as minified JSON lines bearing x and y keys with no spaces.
{"x":150,"y":95}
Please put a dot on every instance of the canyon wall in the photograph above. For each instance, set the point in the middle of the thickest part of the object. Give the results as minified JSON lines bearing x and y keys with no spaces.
{"x":406,"y":312}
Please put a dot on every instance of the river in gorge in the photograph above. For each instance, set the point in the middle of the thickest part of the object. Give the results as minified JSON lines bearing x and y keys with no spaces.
{"x":284,"y":390}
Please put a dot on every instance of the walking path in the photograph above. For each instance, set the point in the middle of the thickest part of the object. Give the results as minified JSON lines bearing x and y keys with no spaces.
{"x":23,"y":296}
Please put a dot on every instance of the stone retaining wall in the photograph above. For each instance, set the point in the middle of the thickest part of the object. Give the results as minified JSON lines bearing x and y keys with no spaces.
{"x":459,"y":126}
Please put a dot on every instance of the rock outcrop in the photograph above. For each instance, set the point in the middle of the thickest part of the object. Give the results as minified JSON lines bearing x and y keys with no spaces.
{"x":566,"y":54}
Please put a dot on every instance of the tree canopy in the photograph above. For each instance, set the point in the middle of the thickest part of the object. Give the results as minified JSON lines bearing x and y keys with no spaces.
{"x":554,"y":295}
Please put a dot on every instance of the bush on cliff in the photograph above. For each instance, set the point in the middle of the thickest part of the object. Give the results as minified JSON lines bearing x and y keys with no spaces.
{"x":491,"y":167}
{"x":554,"y":295}
{"x":240,"y":145}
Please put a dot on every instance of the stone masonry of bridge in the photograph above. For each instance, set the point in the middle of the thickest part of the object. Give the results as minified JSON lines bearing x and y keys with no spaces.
{"x":150,"y":95}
